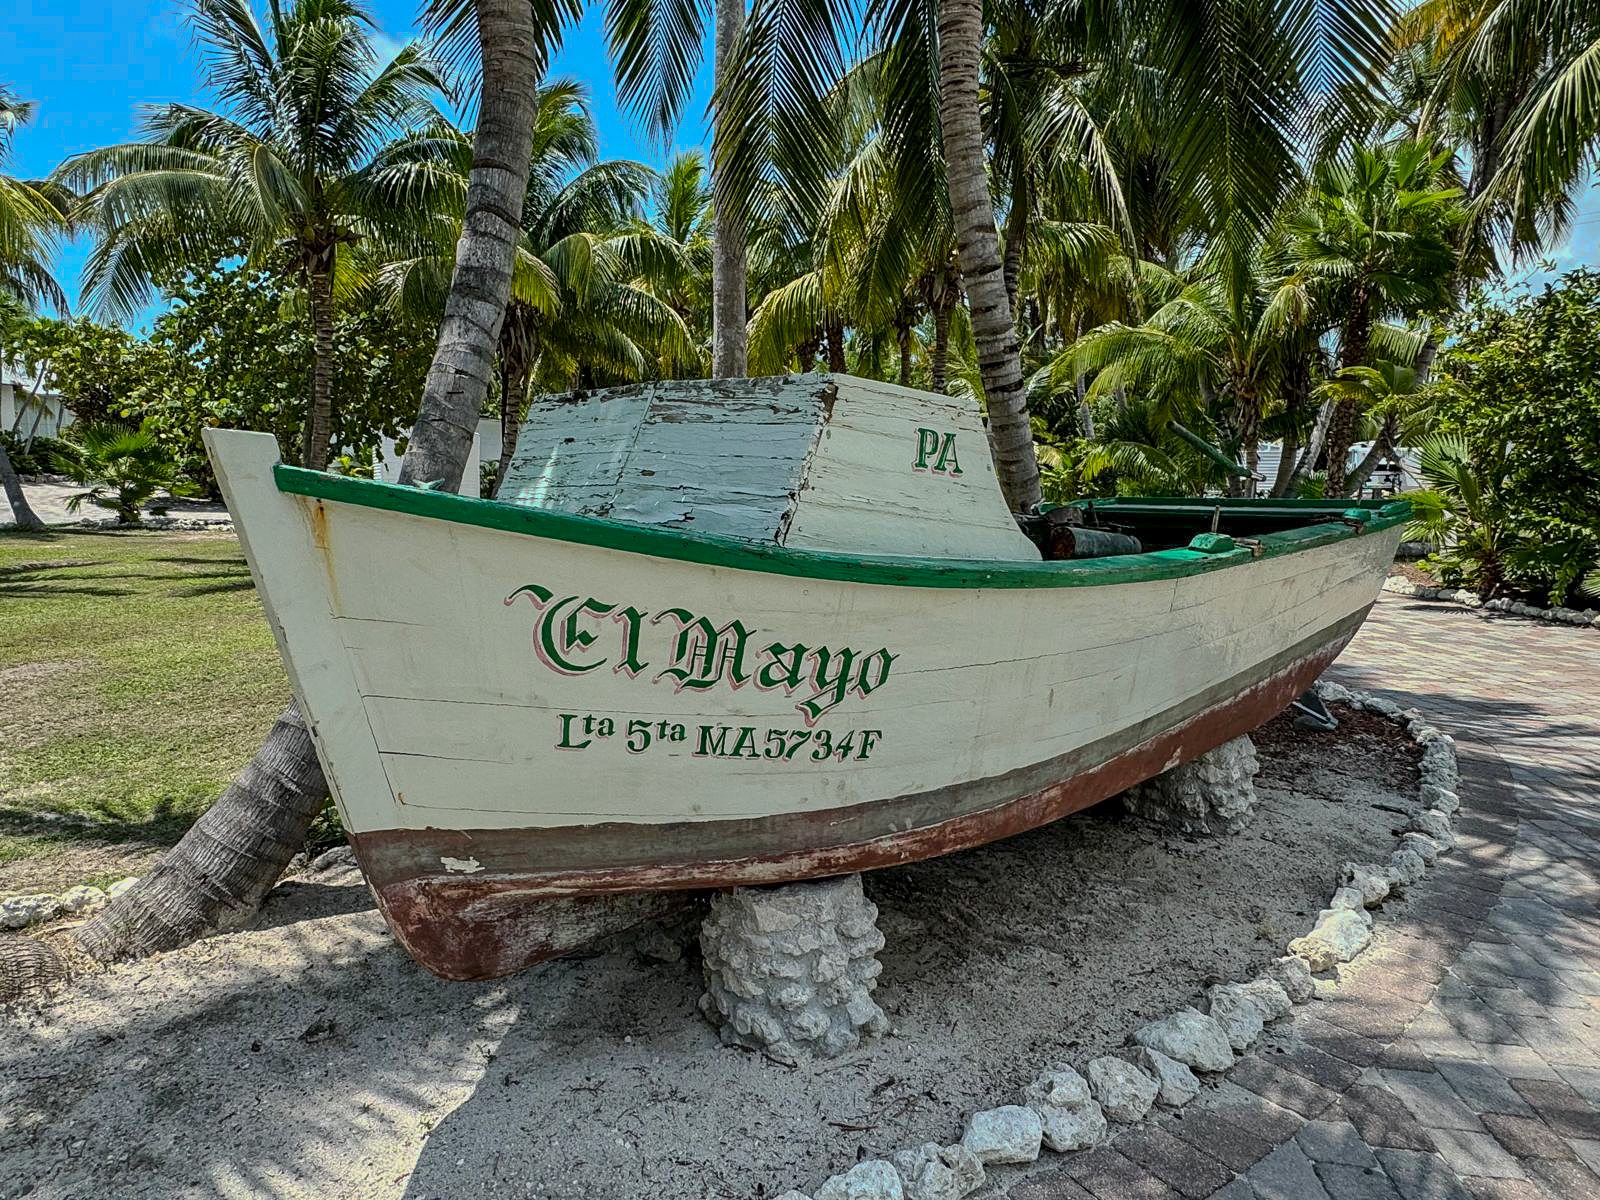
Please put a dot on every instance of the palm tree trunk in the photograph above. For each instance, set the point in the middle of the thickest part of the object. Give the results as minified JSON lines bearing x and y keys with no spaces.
{"x":217,"y":874}
{"x":319,"y":419}
{"x":1356,"y":336}
{"x":1016,"y":238}
{"x":458,"y":380}
{"x":1286,"y":461}
{"x":513,"y":389}
{"x":904,"y":337}
{"x":1085,"y":413}
{"x":1341,"y":432}
{"x":729,"y":341}
{"x":1380,"y":446}
{"x":1308,"y":460}
{"x":940,"y":366}
{"x":20,"y":510}
{"x":978,"y":243}
{"x":835,"y":332}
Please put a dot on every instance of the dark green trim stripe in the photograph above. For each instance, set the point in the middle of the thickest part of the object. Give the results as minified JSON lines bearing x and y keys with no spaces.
{"x":738,"y":555}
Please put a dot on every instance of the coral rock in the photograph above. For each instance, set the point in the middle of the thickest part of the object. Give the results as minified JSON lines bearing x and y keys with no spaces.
{"x":1295,"y":975}
{"x":1124,"y":1091}
{"x":870,"y":1180}
{"x":935,"y":1172}
{"x":1191,"y":1037}
{"x":1435,"y":825}
{"x":1009,"y":1134}
{"x":1422,"y":846}
{"x":1215,"y":792}
{"x":1176,"y":1084}
{"x":1338,"y":936}
{"x":1372,"y":882}
{"x":790,"y":970}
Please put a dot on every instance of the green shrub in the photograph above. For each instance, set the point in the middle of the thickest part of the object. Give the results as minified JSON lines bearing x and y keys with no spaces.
{"x":1519,"y":391}
{"x":122,"y":469}
{"x":43,"y":456}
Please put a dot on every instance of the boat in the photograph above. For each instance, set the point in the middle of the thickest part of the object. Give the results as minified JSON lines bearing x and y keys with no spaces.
{"x":750,"y":631}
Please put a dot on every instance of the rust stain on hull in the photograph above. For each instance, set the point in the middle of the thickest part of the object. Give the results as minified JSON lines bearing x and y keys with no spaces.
{"x":485,"y":926}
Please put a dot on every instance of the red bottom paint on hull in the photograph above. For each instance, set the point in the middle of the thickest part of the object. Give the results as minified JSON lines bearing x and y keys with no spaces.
{"x":484,"y":927}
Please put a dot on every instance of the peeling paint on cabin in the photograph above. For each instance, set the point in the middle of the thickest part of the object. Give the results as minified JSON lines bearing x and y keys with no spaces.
{"x":461,"y":866}
{"x":819,"y":462}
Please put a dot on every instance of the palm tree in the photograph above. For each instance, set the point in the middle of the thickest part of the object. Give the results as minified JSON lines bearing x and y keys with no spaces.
{"x":219,"y":872}
{"x":1520,"y":78}
{"x":291,"y":169}
{"x":31,"y":217}
{"x":1390,"y":399}
{"x":671,"y":244}
{"x":1373,"y":240}
{"x":574,"y":312}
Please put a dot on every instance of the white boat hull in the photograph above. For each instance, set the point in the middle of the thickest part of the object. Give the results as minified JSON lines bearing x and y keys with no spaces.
{"x":506,"y":717}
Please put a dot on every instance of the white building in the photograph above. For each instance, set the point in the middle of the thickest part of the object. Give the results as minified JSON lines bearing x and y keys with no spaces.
{"x":28,"y":407}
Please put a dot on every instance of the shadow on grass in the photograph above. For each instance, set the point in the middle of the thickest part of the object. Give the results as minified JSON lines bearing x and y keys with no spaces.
{"x":44,"y":579}
{"x":162,"y":826}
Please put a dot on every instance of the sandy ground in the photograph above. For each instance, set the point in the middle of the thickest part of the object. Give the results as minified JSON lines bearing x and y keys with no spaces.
{"x":49,"y":501}
{"x":310,"y":1058}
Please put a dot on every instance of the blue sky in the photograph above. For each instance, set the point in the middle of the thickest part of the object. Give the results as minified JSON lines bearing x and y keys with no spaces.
{"x":88,"y":66}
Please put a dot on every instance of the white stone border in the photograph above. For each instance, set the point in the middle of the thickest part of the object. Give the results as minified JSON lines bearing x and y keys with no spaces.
{"x":20,"y":911}
{"x":1587,"y":619}
{"x":1065,"y":1112}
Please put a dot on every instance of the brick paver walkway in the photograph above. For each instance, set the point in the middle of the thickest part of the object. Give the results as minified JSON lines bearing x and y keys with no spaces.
{"x":1462,"y":1059}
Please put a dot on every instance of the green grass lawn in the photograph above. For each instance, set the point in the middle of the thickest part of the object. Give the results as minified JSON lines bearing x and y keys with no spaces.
{"x":137,"y":674}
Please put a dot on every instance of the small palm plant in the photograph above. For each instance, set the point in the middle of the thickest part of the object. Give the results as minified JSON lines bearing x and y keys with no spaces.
{"x":1463,"y":512}
{"x":122,"y":469}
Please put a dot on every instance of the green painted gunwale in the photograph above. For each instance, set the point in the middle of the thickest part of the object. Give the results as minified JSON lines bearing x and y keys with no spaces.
{"x":740,"y":555}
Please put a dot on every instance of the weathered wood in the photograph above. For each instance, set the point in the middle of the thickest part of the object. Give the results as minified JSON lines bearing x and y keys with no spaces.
{"x":823,"y":462}
{"x":519,"y":713}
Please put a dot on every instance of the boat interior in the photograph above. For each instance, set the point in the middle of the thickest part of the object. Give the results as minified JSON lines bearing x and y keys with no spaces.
{"x":1166,"y":523}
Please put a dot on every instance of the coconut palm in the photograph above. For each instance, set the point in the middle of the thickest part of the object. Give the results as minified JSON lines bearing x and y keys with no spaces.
{"x":1373,"y":240}
{"x":1522,"y":77}
{"x":31,"y":219}
{"x":291,"y":168}
{"x":219,"y":872}
{"x":1391,"y":402}
{"x":575,"y":313}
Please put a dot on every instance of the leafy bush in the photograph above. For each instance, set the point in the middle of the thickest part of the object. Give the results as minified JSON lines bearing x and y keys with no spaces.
{"x":42,"y":456}
{"x":1463,"y":510}
{"x":122,"y":469}
{"x":1519,"y":390}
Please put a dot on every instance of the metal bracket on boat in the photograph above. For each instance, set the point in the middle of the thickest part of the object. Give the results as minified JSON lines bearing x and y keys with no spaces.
{"x":1251,"y":544}
{"x":1314,"y":713}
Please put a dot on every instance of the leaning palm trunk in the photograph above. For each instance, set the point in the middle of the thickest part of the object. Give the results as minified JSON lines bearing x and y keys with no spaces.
{"x":1341,"y":433}
{"x":729,"y":341}
{"x":978,"y":243}
{"x":1381,"y":445}
{"x":20,"y":510}
{"x":1308,"y":459}
{"x":216,"y":876}
{"x":458,"y":380}
{"x":1286,"y":464}
{"x":516,"y":365}
{"x":319,"y":418}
